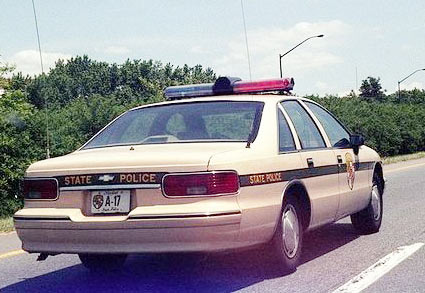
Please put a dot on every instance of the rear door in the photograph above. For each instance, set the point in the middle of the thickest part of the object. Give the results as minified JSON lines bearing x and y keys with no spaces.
{"x":319,"y":170}
{"x":353,"y":180}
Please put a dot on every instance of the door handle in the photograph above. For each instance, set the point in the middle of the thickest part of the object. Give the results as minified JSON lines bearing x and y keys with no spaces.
{"x":339,"y":157}
{"x":310,"y":163}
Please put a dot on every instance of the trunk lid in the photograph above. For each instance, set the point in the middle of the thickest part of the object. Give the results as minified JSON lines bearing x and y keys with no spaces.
{"x":171,"y":157}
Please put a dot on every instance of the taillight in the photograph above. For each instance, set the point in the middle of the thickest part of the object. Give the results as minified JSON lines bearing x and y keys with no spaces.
{"x":202,"y":184}
{"x":40,"y":188}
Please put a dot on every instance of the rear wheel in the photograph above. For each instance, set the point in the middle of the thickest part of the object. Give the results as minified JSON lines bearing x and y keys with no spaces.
{"x":103,"y":262}
{"x":287,"y":241}
{"x":369,"y":220}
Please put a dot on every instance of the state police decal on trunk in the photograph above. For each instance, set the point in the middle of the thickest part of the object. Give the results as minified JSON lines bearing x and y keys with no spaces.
{"x":351,"y":171}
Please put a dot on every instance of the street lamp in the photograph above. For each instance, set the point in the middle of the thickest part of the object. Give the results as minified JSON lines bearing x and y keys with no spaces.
{"x":281,"y":55}
{"x":399,"y":95}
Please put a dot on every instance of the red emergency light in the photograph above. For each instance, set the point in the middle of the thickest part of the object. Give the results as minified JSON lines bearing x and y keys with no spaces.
{"x":281,"y":84}
{"x":228,"y":86}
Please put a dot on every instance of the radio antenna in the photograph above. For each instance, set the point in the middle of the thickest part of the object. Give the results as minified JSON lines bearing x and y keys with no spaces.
{"x":246,"y":41}
{"x":46,"y":105}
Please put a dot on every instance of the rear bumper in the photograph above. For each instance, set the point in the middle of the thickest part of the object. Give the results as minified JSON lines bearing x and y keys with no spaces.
{"x":68,"y":231}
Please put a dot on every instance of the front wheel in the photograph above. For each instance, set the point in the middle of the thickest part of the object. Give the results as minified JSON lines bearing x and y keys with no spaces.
{"x":287,"y":241}
{"x":369,"y":220}
{"x":103,"y":262}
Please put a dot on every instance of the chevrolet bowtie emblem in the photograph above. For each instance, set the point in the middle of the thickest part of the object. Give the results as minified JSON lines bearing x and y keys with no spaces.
{"x":106,"y":178}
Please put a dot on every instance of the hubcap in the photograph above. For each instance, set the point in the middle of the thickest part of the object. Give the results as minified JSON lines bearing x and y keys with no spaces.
{"x":376,"y":203}
{"x":291,"y":231}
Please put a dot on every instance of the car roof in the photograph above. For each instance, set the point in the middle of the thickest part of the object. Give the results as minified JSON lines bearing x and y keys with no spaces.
{"x":265,"y":98}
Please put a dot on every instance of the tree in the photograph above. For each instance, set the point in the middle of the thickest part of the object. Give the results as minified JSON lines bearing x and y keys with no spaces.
{"x":19,"y":146}
{"x":4,"y":81}
{"x":371,"y":88}
{"x":139,"y":81}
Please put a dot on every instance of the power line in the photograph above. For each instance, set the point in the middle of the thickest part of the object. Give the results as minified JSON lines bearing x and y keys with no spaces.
{"x":357,"y":84}
{"x":38,"y":36}
{"x":246,"y":41}
{"x":46,"y":105}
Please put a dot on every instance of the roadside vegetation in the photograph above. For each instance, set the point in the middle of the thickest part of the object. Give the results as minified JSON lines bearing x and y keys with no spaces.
{"x":83,"y":95}
{"x":403,"y":158}
{"x":392,"y":125}
{"x":6,"y":225}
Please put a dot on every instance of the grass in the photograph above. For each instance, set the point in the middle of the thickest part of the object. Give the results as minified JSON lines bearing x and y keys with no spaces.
{"x":402,"y":158}
{"x":6,"y":224}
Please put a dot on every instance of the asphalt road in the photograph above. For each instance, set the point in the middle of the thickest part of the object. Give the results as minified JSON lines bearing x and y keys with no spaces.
{"x":332,"y":256}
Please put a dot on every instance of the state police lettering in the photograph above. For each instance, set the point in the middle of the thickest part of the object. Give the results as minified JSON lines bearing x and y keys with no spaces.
{"x":109,"y":179}
{"x":138,"y":178}
{"x":265,"y":178}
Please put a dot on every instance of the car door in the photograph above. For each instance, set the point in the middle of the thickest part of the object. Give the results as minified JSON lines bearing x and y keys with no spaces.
{"x":353,"y":181}
{"x":319,"y":170}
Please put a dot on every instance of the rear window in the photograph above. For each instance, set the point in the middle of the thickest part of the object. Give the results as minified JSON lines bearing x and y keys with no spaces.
{"x":185,"y":122}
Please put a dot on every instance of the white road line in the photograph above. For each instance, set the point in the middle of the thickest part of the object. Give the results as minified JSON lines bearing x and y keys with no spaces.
{"x":377,"y":270}
{"x":11,"y":253}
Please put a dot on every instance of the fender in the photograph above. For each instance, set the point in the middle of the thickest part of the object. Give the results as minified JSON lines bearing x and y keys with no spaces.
{"x":304,"y":201}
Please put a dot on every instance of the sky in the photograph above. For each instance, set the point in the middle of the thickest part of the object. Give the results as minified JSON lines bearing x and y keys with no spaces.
{"x":384,"y":39}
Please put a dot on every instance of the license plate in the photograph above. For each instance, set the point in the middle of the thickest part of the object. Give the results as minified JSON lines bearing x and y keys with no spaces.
{"x":110,"y":201}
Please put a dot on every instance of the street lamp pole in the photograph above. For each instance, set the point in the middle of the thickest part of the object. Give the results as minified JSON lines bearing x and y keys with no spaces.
{"x":281,"y":55}
{"x":400,"y":81}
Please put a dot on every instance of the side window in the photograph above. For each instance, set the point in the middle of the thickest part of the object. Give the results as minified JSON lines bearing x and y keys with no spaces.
{"x":307,"y":131}
{"x":338,"y":136}
{"x":286,"y":141}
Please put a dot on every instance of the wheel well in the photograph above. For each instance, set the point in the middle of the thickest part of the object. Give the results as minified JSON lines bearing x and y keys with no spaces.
{"x":378,"y":171}
{"x":298,"y":191}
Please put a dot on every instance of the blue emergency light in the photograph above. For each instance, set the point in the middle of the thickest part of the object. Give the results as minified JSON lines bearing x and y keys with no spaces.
{"x":228,"y":85}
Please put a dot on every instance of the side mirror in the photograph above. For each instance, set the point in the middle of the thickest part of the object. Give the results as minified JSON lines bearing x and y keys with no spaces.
{"x":356,"y":140}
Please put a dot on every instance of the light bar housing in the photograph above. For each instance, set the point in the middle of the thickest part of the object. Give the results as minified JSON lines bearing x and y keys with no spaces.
{"x":183,"y":91}
{"x":228,"y":86}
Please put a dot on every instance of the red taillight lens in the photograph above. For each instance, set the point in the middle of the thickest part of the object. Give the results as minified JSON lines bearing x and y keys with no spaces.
{"x":40,"y":189}
{"x":201,"y":184}
{"x":282,"y":84}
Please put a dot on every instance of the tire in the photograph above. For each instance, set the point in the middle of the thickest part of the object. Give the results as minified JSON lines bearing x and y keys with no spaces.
{"x":286,"y":244}
{"x":368,"y":220}
{"x":103,"y":262}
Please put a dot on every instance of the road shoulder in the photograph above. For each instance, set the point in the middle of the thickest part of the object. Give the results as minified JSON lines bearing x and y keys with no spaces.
{"x":404,"y":165}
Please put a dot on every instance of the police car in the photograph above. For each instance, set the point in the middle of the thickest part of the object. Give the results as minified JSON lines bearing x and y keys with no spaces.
{"x":220,"y":166}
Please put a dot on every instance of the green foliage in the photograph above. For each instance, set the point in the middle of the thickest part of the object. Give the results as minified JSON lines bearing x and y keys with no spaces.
{"x":371,"y":89}
{"x":414,"y":96}
{"x":390,"y":128}
{"x":18,"y":146}
{"x":4,"y":70}
{"x":132,"y":82}
{"x":6,"y":224}
{"x":79,"y":120}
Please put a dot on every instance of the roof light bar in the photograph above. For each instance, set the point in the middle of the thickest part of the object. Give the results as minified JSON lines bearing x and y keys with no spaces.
{"x":228,"y":86}
{"x":224,"y":85}
{"x":191,"y":90}
{"x":281,"y":84}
